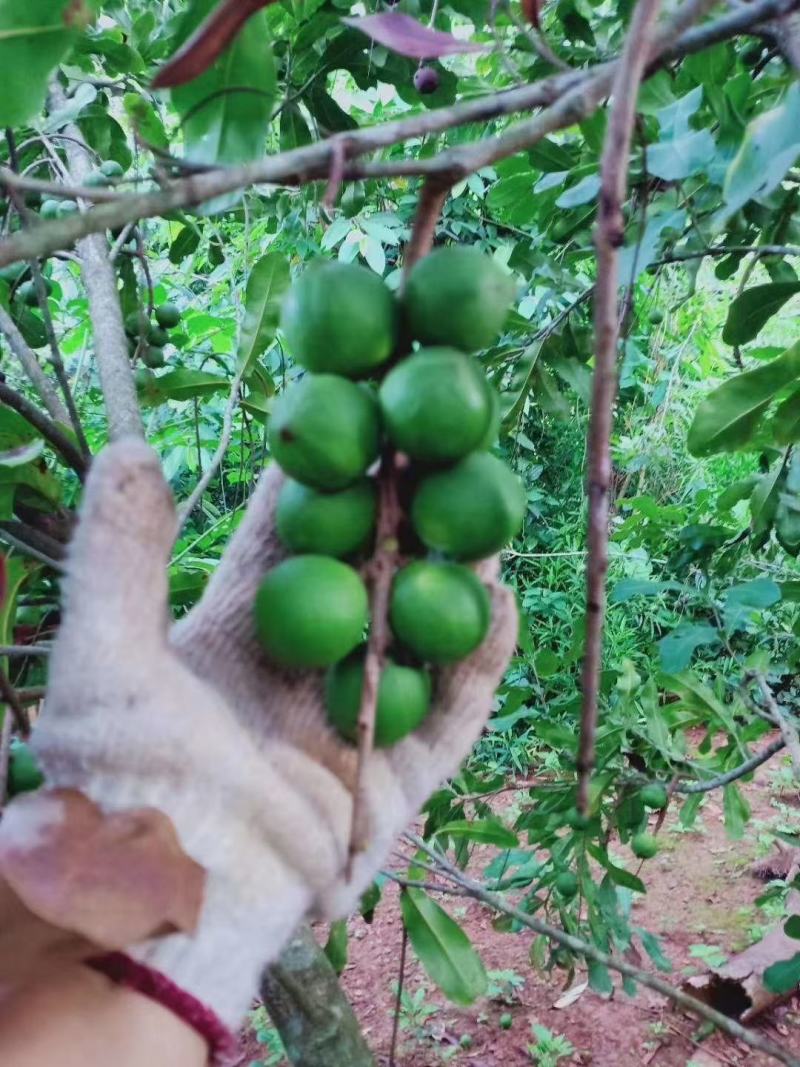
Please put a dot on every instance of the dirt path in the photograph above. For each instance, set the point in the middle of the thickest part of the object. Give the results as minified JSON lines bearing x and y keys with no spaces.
{"x":700,"y":893}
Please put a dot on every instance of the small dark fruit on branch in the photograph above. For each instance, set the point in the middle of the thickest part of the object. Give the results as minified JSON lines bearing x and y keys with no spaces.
{"x":426,"y":80}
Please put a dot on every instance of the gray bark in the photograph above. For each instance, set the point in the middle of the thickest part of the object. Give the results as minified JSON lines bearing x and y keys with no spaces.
{"x":314,"y":1018}
{"x":110,"y":342}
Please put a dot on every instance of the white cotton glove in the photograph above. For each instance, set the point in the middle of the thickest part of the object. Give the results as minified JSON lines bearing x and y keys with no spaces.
{"x":194,"y":720}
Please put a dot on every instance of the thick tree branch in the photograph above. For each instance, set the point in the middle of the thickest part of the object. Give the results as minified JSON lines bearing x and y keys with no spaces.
{"x":609,"y":237}
{"x":46,"y":427}
{"x":302,"y":165}
{"x":110,"y":342}
{"x":584,"y":948}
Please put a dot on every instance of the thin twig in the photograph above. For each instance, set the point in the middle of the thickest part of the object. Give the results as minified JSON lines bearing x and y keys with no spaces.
{"x":25,"y":650}
{"x":5,"y":757}
{"x":429,"y":887}
{"x":30,"y":364}
{"x":311,"y":162}
{"x":26,"y":217}
{"x":381,"y":570}
{"x":59,"y":190}
{"x":610,"y":236}
{"x":399,"y":999}
{"x":588,"y":951}
{"x":46,"y":427}
{"x":787,"y":730}
{"x":10,"y":698}
{"x":14,"y":537}
{"x":224,"y":440}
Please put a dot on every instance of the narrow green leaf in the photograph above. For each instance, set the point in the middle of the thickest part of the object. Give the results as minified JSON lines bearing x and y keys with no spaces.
{"x":444,"y":950}
{"x":753,"y":308}
{"x":336,"y":945}
{"x":184,"y":384}
{"x":268,"y":281}
{"x":792,"y":927}
{"x":599,"y":978}
{"x":786,"y":420}
{"x":485,"y":831}
{"x":727,"y":418}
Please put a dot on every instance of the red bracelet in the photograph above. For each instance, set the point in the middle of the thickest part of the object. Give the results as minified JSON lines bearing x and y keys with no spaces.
{"x":125,"y":971}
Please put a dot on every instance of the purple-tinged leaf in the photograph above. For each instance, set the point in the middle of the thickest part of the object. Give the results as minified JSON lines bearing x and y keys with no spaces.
{"x":404,"y":35}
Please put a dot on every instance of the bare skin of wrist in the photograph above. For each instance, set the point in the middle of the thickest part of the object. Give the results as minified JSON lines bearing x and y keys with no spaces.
{"x":78,"y":1018}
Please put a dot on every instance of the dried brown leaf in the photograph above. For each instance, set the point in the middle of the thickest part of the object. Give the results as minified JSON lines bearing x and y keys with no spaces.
{"x":407,"y":37}
{"x":111,"y":878}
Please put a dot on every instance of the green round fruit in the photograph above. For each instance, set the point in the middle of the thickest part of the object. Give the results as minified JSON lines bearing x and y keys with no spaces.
{"x":136,"y":324}
{"x":111,"y":169}
{"x":506,"y":1020}
{"x":153,"y":356}
{"x":144,"y":379}
{"x":66,"y":208}
{"x":656,"y":317}
{"x":404,"y":699}
{"x":644,"y":845}
{"x":441,"y":611}
{"x":168,"y":316}
{"x":50,"y":209}
{"x":310,"y":611}
{"x":340,"y":318}
{"x":327,"y":524}
{"x":157,"y":335}
{"x":575,"y":820}
{"x":24,"y":774}
{"x":437,"y":405}
{"x":471,"y":510}
{"x":325,"y":431}
{"x":97,"y":180}
{"x":566,"y":884}
{"x":457,"y":296}
{"x":655,"y":796}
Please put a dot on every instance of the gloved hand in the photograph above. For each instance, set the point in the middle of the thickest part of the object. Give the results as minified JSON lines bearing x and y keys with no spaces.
{"x":192,"y":720}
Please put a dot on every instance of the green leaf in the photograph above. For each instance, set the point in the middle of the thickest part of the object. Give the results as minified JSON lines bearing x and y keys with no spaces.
{"x":652,"y":947}
{"x":184,"y":384}
{"x":599,"y":978}
{"x":444,"y":950}
{"x":736,"y":810}
{"x":294,"y":131}
{"x":225,"y":112}
{"x":583,"y":193}
{"x":682,"y":151}
{"x":792,"y":927}
{"x":770,"y":146}
{"x":786,"y":420}
{"x":514,"y":397}
{"x":741,"y":600}
{"x":268,"y":281}
{"x":728,"y":416}
{"x":35,"y":35}
{"x":751,"y":310}
{"x":676,"y":649}
{"x":784,"y":976}
{"x":336,"y":945}
{"x":485,"y":831}
{"x":628,"y":588}
{"x":740,"y":490}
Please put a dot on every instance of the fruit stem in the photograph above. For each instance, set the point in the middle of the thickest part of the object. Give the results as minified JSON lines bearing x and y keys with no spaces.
{"x":380,"y":571}
{"x":432,"y":197}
